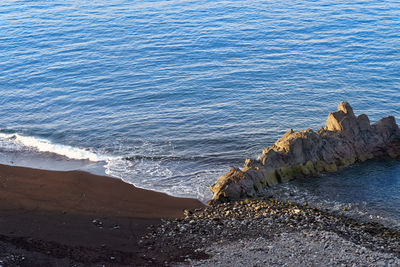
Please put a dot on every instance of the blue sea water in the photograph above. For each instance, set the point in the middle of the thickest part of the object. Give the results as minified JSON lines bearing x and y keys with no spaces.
{"x":168,"y":95}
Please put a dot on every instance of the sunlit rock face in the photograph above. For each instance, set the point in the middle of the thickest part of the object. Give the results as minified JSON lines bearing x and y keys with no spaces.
{"x":344,"y":140}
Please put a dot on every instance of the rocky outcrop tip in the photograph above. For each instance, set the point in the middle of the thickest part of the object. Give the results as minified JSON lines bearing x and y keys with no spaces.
{"x":346,"y":139}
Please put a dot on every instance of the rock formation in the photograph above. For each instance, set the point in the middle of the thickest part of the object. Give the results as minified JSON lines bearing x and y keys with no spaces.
{"x":346,"y":139}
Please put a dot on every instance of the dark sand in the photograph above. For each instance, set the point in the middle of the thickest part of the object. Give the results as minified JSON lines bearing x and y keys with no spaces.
{"x":46,"y":219}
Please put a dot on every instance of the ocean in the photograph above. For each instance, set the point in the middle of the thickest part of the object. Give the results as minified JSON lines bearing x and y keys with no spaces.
{"x":169,"y":95}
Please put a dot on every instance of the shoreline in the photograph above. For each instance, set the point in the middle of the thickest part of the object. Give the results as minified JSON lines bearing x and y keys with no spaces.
{"x":55,"y":218}
{"x":75,"y":217}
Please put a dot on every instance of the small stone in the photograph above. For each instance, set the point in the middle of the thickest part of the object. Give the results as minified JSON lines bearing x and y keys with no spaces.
{"x":296,"y":211}
{"x":363,"y":250}
{"x":187,"y":212}
{"x":98,"y":223}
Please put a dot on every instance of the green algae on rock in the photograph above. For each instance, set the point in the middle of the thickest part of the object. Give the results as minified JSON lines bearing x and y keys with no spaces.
{"x":344,"y":140}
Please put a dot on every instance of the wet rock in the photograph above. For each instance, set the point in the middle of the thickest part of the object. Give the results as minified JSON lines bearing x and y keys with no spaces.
{"x":344,"y":140}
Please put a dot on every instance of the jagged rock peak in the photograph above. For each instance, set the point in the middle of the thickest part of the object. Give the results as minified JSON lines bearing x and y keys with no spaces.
{"x":342,"y":120}
{"x":346,"y":108}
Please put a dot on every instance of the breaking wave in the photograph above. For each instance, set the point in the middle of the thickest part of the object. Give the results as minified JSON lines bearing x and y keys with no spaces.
{"x":17,"y":142}
{"x":174,"y":175}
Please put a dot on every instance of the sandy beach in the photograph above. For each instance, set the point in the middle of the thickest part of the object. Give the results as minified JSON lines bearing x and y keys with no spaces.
{"x":53,"y":218}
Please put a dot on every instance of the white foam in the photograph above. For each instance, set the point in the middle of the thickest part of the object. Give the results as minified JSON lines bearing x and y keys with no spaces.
{"x":118,"y":167}
{"x":20,"y":142}
{"x":162,"y":177}
{"x":145,"y":173}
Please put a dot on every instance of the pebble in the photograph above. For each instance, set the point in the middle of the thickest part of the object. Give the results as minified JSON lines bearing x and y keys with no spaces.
{"x":98,"y":223}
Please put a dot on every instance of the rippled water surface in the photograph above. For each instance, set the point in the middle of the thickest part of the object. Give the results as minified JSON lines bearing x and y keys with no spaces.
{"x":169,"y":95}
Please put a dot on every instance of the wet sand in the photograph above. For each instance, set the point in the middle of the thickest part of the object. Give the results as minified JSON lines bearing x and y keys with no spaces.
{"x":74,"y":217}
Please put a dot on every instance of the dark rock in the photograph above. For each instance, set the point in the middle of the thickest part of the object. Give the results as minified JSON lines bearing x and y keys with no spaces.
{"x":344,"y":140}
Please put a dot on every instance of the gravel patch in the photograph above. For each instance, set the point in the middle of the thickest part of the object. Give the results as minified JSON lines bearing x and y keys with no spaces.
{"x":267,"y":232}
{"x":305,"y":248}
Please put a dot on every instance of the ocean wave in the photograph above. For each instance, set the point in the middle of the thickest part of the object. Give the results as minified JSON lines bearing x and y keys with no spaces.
{"x":160,"y":173}
{"x":221,"y":158}
{"x":17,"y":142}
